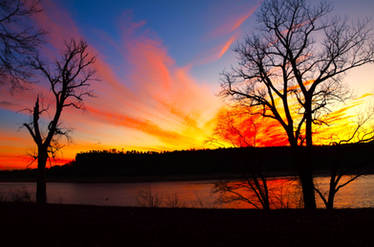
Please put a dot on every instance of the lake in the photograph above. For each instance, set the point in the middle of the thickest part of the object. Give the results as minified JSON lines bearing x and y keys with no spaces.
{"x":285,"y":192}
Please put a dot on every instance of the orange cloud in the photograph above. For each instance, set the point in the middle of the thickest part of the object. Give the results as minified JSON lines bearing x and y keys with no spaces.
{"x":139,"y":124}
{"x":10,"y":162}
{"x":166,"y":88}
{"x":239,"y":128}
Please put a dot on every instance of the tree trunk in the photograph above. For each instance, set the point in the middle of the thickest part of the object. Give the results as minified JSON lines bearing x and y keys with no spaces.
{"x":305,"y":175}
{"x":306,"y":180}
{"x":41,"y":187}
{"x":332,"y":188}
{"x":308,"y":128}
{"x":306,"y":172}
{"x":291,"y":138}
{"x":330,"y":201}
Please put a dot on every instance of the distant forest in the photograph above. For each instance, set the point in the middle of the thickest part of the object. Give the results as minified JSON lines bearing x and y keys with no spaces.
{"x":209,"y":163}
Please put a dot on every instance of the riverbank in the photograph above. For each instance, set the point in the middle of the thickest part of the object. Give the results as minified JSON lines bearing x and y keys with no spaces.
{"x":77,"y":225}
{"x":139,"y":179}
{"x":124,"y":179}
{"x":169,"y":178}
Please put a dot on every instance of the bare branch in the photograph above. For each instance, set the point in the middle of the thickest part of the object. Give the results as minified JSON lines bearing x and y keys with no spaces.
{"x":294,"y":65}
{"x":19,"y":40}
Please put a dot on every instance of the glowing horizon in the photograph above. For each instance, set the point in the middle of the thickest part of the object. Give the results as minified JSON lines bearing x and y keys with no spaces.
{"x":156,"y":92}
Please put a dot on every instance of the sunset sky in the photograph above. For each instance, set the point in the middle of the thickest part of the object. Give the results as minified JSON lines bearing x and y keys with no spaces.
{"x":159,"y":65}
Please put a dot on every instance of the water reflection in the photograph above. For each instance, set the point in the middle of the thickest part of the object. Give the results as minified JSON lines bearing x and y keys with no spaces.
{"x":359,"y":193}
{"x":273,"y":193}
{"x":283,"y":193}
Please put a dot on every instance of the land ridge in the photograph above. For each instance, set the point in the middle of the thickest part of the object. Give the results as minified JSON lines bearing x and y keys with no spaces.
{"x":114,"y":166}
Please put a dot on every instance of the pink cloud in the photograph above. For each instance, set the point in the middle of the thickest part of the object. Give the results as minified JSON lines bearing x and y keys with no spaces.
{"x":227,"y":45}
{"x":157,"y":98}
{"x":233,"y":23}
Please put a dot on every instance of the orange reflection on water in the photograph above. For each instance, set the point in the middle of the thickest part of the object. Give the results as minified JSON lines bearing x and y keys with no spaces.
{"x":283,"y":193}
{"x":360,"y":190}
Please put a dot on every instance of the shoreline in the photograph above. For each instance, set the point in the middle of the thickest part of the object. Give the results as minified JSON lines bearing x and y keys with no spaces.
{"x":158,"y":179}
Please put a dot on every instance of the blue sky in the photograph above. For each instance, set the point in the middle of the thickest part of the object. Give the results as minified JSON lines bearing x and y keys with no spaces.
{"x":185,"y":28}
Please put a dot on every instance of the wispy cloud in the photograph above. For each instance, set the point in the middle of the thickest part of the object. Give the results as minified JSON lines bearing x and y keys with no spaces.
{"x":230,"y":27}
{"x":233,"y":23}
{"x":227,"y":45}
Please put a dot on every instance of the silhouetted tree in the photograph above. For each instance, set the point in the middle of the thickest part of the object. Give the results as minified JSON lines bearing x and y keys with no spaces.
{"x":338,"y":170}
{"x":291,"y":68}
{"x":69,"y":82}
{"x":19,"y":40}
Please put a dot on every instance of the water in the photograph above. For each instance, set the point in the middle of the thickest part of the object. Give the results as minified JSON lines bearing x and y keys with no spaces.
{"x":285,"y":193}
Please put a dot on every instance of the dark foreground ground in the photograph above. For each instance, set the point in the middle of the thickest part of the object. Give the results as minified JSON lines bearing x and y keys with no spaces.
{"x":69,"y":225}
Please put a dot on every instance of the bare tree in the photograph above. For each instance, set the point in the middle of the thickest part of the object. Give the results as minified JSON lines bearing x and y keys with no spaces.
{"x":19,"y":40}
{"x":69,"y":81}
{"x":291,"y":69}
{"x":338,"y":170}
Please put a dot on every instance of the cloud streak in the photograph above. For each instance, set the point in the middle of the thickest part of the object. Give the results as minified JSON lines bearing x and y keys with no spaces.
{"x":156,"y":97}
{"x":143,"y":125}
{"x":233,"y":23}
{"x":227,"y":45}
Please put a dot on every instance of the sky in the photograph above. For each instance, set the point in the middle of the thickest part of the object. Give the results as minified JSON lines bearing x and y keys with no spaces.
{"x":159,"y":65}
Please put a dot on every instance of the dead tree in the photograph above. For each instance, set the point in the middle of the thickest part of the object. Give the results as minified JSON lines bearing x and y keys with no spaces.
{"x":69,"y":81}
{"x":291,"y":69}
{"x":19,"y":40}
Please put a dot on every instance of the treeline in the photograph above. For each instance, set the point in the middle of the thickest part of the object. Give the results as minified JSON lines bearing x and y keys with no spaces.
{"x":209,"y":162}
